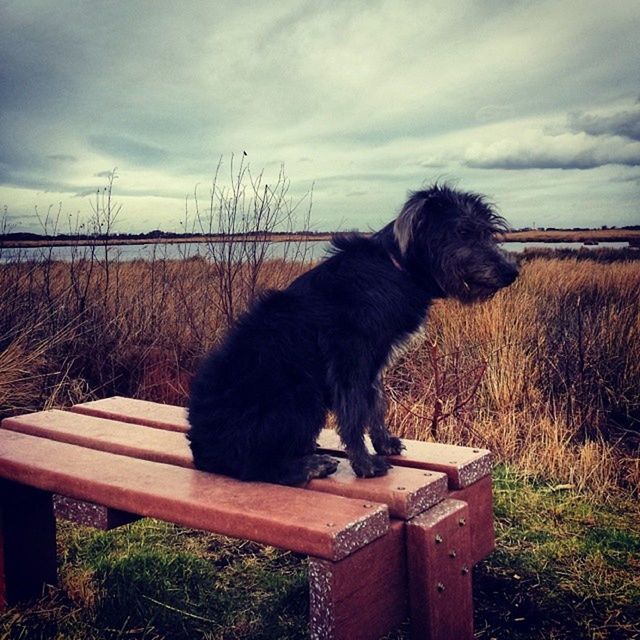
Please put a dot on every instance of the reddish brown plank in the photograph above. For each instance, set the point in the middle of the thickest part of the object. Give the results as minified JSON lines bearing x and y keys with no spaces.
{"x":406,"y":491}
{"x":27,"y":542}
{"x":328,"y":526}
{"x":340,"y":608}
{"x":150,"y":414}
{"x":479,"y":497}
{"x":104,"y":434}
{"x":463,"y":465}
{"x":439,"y":563}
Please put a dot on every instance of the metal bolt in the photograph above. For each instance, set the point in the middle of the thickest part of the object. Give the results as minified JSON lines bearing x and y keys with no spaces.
{"x":462,"y":522}
{"x":465,"y":571}
{"x":367,"y":505}
{"x":401,"y":488}
{"x":440,"y":587}
{"x":438,"y":538}
{"x":331,"y":524}
{"x":452,"y":553}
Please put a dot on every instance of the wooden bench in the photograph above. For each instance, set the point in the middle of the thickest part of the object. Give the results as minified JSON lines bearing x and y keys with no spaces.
{"x":379,"y":549}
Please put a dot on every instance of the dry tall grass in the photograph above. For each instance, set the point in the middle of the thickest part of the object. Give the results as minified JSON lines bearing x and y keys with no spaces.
{"x":560,"y":394}
{"x":547,"y":374}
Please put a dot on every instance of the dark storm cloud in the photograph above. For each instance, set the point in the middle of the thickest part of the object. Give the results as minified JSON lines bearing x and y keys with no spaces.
{"x":528,"y":159}
{"x":622,"y":123}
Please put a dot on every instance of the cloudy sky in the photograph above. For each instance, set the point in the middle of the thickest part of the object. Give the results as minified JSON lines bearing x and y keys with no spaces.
{"x":536,"y":104}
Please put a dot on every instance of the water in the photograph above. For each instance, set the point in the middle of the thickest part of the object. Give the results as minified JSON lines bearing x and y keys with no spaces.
{"x":307,"y":251}
{"x":519,"y":247}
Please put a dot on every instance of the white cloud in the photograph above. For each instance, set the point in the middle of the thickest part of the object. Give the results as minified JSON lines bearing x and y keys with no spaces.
{"x":565,"y":151}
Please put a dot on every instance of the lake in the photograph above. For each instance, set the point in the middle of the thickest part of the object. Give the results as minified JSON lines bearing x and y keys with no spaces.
{"x":308,"y":251}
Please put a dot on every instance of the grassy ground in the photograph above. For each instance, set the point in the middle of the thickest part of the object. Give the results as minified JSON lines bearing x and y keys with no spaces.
{"x":566,"y":567}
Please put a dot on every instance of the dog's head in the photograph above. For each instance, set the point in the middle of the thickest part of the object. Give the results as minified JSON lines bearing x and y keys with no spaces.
{"x":449,"y":236}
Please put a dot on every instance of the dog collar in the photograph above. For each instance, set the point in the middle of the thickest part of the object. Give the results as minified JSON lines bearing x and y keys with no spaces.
{"x":396,"y":264}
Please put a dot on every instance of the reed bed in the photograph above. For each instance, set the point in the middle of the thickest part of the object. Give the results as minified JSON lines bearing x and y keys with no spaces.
{"x":546,"y":375}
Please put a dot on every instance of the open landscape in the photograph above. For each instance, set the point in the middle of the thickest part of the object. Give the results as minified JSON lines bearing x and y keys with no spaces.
{"x":546,"y":375}
{"x":163,"y":165}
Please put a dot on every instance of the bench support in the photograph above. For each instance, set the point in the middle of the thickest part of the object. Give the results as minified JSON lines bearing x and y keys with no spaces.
{"x":439,"y":559}
{"x":479,"y":497}
{"x":27,"y":543}
{"x":363,"y":596}
{"x":91,"y":515}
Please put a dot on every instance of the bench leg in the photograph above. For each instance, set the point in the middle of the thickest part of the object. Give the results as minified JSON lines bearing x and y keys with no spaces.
{"x":363,"y":596}
{"x":439,"y":562}
{"x":479,"y":497}
{"x":27,"y":543}
{"x":89,"y":514}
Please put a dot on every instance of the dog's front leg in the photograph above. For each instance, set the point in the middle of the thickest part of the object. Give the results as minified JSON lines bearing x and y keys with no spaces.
{"x":383,"y":442}
{"x":354,"y":410}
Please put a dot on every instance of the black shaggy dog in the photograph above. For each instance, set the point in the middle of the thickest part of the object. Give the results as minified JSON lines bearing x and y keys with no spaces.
{"x":260,"y":400}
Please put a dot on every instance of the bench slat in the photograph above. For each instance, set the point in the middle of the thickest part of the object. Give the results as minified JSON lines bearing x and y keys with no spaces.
{"x":328,"y":526}
{"x":463,"y":465}
{"x":406,"y":491}
{"x":150,"y":414}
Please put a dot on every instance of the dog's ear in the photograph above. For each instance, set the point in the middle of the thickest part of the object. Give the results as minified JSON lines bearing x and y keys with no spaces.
{"x":406,"y":223}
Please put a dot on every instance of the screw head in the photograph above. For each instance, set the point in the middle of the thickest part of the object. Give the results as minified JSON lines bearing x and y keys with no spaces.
{"x":440,"y":587}
{"x":465,"y":570}
{"x":438,"y":538}
{"x":452,"y":553}
{"x":462,"y":522}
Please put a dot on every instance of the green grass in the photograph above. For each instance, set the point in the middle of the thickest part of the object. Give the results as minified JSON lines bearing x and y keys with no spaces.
{"x":566,"y":566}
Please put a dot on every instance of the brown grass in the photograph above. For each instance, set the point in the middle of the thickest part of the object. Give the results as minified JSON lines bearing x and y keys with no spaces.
{"x":546,"y":375}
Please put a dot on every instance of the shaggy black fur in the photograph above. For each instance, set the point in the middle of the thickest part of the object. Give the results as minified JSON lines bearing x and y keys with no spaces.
{"x":260,"y":400}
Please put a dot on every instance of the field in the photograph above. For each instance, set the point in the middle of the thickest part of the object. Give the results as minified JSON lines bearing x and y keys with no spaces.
{"x":546,"y":375}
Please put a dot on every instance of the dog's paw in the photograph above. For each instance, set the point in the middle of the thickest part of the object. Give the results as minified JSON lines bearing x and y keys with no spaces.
{"x":370,"y":466}
{"x":321,"y":466}
{"x":391,"y":446}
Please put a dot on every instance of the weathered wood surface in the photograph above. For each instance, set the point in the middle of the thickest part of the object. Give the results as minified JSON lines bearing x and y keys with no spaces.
{"x":463,"y":465}
{"x":90,"y":514}
{"x":479,"y":497}
{"x":359,"y":579}
{"x":151,"y":414}
{"x":328,"y":526}
{"x":341,"y":609}
{"x":406,"y":491}
{"x":440,"y":590}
